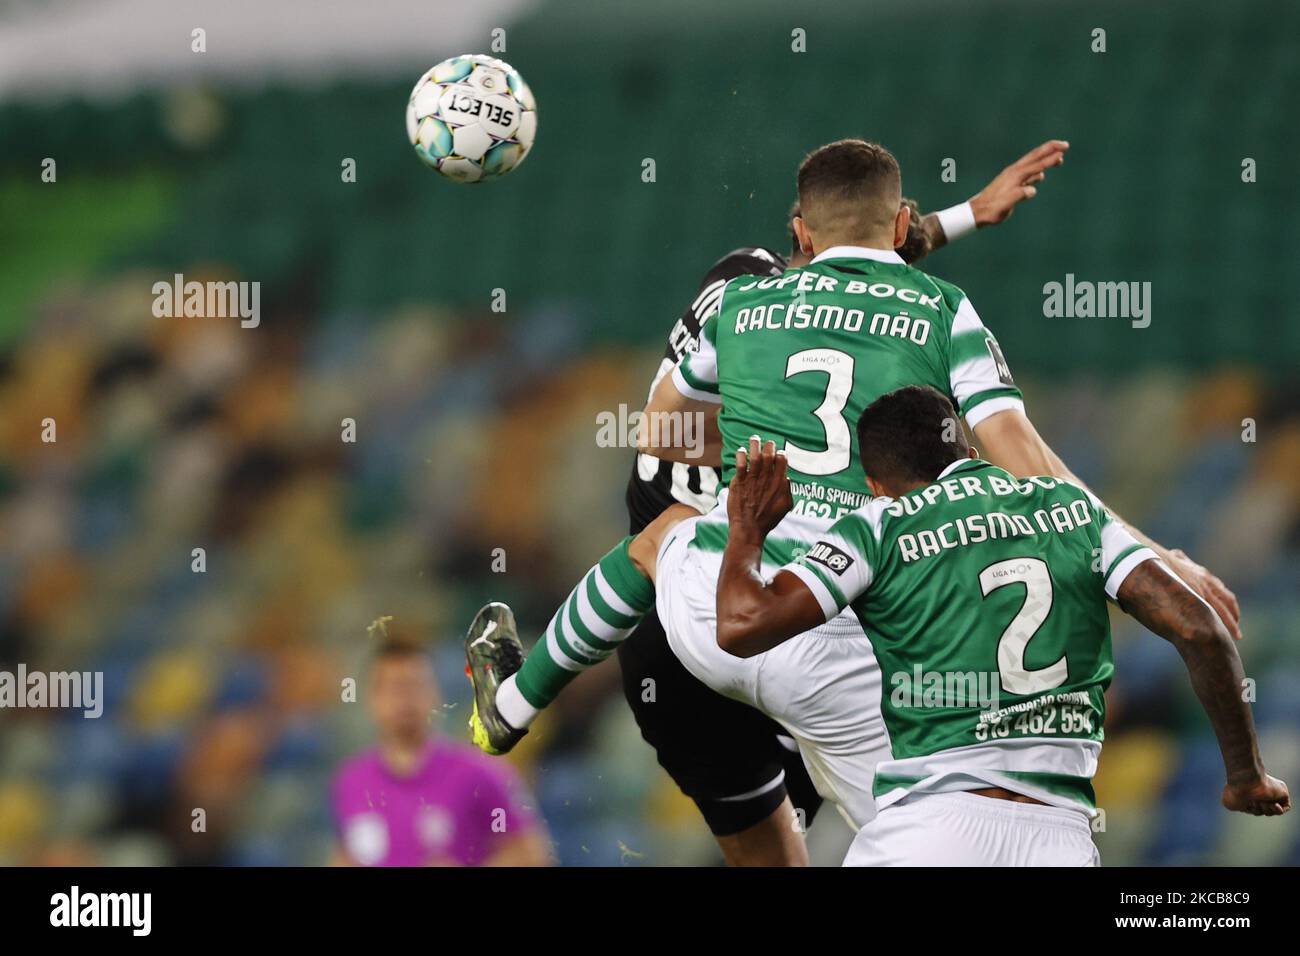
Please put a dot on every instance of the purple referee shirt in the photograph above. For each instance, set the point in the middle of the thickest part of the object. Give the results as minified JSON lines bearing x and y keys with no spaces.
{"x":457,"y":807}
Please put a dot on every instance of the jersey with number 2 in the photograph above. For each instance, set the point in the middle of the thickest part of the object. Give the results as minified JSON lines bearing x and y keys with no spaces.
{"x":796,"y":358}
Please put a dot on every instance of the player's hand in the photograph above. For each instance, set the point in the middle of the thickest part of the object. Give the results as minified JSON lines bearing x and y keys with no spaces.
{"x":1208,"y":586}
{"x":1268,"y":797}
{"x":759,"y":493}
{"x":1018,"y":182}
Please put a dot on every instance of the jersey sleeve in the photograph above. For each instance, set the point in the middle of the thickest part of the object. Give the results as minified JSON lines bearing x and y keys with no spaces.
{"x":978,"y":374}
{"x":1120,"y":551}
{"x":840,"y":567}
{"x":691,"y":343}
{"x":685,"y":334}
{"x":696,"y":373}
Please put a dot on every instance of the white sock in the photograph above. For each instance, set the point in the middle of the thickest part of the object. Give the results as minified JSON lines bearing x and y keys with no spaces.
{"x":517,"y":711}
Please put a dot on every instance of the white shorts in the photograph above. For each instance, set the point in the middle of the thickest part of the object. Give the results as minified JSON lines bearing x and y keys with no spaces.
{"x":823,"y":686}
{"x":965,"y":829}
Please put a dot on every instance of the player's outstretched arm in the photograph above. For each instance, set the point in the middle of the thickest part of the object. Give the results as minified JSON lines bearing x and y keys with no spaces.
{"x":676,"y":427}
{"x":1010,"y":441}
{"x":754,"y":617}
{"x":997,"y":201}
{"x":1163,"y":604}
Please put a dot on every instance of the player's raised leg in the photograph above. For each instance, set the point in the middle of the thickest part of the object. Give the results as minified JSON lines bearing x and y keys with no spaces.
{"x":598,"y":614}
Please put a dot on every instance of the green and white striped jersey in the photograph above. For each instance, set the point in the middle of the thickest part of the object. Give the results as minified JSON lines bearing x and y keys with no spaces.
{"x":984,"y":597}
{"x":797,"y":358}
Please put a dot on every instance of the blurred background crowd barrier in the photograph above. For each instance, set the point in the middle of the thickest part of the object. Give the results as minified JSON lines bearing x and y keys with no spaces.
{"x":476,"y":429}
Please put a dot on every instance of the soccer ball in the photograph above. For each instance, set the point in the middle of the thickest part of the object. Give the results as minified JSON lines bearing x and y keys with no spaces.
{"x":472,"y":118}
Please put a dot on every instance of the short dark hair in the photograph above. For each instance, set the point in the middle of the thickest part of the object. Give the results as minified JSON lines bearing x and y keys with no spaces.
{"x":914,"y":248}
{"x":849,"y":185}
{"x":911,"y":434}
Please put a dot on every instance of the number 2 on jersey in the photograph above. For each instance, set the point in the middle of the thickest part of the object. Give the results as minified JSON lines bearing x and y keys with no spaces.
{"x":1033,"y":574}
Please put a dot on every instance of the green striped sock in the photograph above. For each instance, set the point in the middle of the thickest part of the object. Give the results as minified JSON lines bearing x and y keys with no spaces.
{"x":604,"y":608}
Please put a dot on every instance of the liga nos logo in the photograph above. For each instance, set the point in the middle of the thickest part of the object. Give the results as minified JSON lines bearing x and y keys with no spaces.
{"x":829,"y":557}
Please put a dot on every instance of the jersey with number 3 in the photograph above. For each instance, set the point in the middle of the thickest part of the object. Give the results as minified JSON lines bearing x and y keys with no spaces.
{"x":797,"y":357}
{"x":985,"y":598}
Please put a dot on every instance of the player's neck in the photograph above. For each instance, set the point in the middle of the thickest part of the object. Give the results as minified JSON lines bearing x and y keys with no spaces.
{"x":881,"y":243}
{"x":910,"y":485}
{"x":403,"y":756}
{"x":897,"y":491}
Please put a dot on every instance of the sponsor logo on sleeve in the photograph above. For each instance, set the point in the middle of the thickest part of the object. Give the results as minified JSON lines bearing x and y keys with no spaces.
{"x":999,"y":360}
{"x":830,"y":557}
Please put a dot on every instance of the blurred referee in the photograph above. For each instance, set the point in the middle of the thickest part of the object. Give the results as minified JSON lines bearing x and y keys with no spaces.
{"x":417,"y":799}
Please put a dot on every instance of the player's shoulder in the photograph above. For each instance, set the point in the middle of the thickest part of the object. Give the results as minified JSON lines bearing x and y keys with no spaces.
{"x":748,"y":261}
{"x":358,"y":768}
{"x":1069,"y":506}
{"x":1044,"y":490}
{"x":745,"y":262}
{"x":950,"y":294}
{"x":1072,"y":490}
{"x":865,"y":521}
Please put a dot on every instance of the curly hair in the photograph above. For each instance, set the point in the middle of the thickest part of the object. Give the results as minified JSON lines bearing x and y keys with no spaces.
{"x":917,"y":244}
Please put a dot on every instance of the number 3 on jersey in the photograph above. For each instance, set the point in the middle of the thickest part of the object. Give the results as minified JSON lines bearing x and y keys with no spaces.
{"x":839,"y":439}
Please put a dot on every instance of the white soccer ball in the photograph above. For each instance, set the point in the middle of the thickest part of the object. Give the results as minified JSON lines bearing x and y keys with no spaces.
{"x":472,"y":118}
